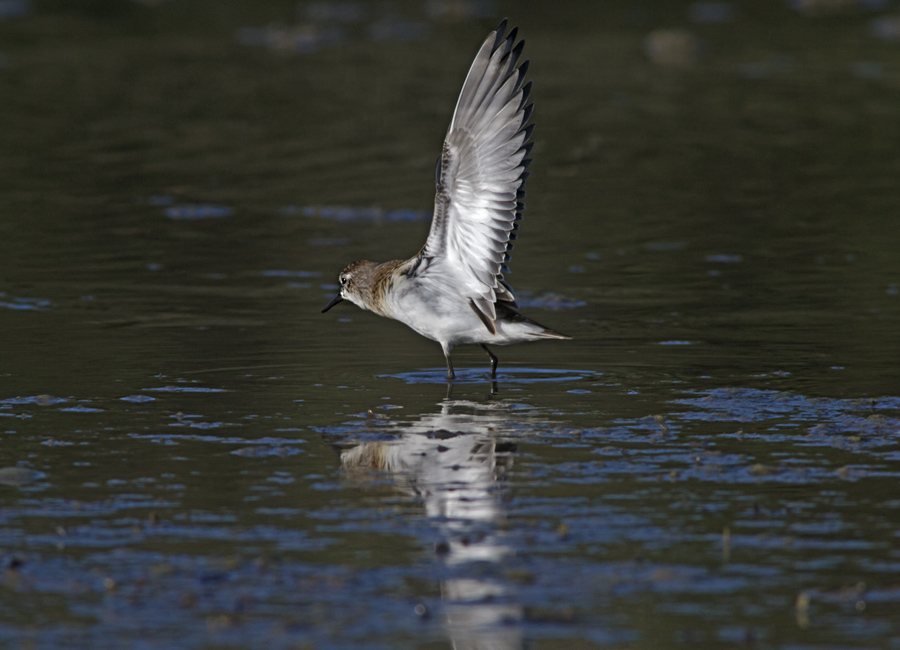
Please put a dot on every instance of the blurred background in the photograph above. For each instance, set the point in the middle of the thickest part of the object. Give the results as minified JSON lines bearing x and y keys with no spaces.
{"x":716,"y":174}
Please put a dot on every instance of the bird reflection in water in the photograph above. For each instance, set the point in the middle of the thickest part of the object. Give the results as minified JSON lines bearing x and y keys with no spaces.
{"x":455,"y":461}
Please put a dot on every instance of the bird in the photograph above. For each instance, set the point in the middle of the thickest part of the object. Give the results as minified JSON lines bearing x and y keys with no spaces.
{"x":453,"y":290}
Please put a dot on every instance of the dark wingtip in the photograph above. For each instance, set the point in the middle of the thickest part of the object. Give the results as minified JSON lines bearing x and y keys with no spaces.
{"x":517,"y":50}
{"x":526,"y":90}
{"x":499,"y":38}
{"x":528,"y":130}
{"x":526,"y":113}
{"x":511,"y":37}
{"x":523,"y":69}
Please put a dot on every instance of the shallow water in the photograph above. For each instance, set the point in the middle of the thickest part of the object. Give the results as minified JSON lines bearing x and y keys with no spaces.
{"x":194,"y":457}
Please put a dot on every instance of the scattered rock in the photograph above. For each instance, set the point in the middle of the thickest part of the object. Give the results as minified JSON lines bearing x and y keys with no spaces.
{"x":19,"y":476}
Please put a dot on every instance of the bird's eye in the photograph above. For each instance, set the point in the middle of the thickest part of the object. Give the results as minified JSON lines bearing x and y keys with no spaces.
{"x":343,"y":281}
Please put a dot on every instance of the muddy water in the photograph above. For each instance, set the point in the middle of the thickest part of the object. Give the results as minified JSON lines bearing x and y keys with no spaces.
{"x":192,"y":456}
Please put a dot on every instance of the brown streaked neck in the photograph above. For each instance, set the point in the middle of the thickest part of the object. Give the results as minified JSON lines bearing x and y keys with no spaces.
{"x":382,"y":281}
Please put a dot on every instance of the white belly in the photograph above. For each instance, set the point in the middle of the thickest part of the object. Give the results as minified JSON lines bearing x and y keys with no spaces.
{"x":448,"y":318}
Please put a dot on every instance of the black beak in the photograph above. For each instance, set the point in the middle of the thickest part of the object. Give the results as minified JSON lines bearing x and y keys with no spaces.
{"x":333,"y":302}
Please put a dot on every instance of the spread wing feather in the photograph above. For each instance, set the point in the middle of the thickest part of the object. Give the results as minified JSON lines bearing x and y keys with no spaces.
{"x":481,"y":177}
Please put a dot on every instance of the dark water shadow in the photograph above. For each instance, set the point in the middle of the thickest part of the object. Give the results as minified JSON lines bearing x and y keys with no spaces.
{"x":517,"y":376}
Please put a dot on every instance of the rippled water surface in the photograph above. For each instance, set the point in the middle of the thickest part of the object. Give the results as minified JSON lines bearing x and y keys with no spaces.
{"x":193,"y":456}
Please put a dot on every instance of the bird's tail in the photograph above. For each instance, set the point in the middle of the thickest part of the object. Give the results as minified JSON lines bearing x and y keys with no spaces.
{"x":547,"y":333}
{"x":534,"y":328}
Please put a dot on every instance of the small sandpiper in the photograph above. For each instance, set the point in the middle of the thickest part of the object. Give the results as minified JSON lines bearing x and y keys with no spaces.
{"x":453,"y":290}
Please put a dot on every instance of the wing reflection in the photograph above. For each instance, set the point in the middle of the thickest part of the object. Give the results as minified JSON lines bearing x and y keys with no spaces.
{"x":455,"y":461}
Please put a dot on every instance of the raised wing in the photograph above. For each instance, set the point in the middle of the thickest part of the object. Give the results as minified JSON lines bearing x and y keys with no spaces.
{"x":481,"y":176}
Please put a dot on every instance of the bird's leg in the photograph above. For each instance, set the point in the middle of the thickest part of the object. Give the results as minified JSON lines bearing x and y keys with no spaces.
{"x":493,"y":361}
{"x":450,"y":374}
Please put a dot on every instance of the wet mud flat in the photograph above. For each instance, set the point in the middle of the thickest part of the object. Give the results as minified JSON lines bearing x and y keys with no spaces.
{"x":737,"y":515}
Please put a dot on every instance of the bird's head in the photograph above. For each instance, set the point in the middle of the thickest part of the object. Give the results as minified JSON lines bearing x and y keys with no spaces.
{"x":355,"y":285}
